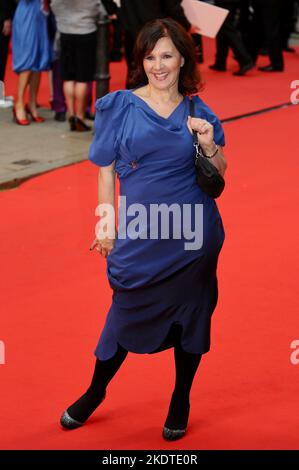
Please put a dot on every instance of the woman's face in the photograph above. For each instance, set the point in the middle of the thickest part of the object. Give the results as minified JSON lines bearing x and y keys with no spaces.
{"x":163,"y":64}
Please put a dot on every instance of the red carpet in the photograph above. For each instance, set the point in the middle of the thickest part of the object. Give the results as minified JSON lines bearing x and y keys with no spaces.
{"x":54,"y":298}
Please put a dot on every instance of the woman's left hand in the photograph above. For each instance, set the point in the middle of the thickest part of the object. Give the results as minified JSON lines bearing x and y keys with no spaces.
{"x":205,"y":131}
{"x":205,"y":134}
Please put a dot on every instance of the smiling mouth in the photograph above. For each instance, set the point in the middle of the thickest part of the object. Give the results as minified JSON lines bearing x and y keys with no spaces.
{"x":160,"y":76}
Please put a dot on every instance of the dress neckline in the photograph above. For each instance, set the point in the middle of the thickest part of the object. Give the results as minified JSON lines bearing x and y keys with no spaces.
{"x":154,"y":111}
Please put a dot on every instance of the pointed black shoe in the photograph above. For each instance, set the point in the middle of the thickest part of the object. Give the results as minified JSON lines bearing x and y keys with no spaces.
{"x":243,"y":69}
{"x":171,"y":434}
{"x":68,"y":422}
{"x":271,"y":68}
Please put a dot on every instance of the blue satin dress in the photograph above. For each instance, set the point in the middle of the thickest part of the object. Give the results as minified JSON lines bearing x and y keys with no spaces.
{"x":30,"y":41}
{"x":157,"y":282}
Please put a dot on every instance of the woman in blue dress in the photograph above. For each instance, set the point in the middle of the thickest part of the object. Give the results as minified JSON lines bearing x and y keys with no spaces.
{"x":31,"y":55}
{"x":162,"y":269}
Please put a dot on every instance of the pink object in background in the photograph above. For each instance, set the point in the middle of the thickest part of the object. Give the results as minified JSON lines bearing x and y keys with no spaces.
{"x":208,"y":18}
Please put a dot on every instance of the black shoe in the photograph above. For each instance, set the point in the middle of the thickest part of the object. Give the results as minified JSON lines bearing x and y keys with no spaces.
{"x":219,"y":68}
{"x":271,"y":68}
{"x":243,"y":69}
{"x":60,"y":117}
{"x":178,"y":413}
{"x":73,"y":123}
{"x":90,"y":116}
{"x":81,"y":126}
{"x":289,"y":49}
{"x":68,"y":422}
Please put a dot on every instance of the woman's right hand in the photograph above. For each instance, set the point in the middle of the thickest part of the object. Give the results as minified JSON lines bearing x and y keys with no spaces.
{"x":104,"y":247}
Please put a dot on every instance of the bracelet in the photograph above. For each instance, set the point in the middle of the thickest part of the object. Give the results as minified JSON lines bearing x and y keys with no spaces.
{"x":213,"y":155}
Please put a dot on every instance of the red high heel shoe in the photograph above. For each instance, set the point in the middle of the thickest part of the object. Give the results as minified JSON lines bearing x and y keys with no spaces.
{"x":33,"y":118}
{"x":21,"y":122}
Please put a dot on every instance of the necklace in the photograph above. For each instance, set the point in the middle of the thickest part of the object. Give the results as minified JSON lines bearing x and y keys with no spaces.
{"x":178,"y":99}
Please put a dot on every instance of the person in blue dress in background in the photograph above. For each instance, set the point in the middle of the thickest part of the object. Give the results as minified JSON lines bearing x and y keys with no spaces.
{"x":31,"y":54}
{"x":164,"y":290}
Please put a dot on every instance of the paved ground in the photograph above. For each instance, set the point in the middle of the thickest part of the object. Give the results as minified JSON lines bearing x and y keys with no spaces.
{"x":31,"y":150}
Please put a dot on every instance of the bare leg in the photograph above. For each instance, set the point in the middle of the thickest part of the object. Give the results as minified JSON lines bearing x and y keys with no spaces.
{"x":69,"y":93}
{"x":23,"y":81}
{"x":81,"y":98}
{"x":33,"y":90}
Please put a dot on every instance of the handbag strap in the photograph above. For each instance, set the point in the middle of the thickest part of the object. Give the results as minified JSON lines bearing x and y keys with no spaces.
{"x":199,"y":152}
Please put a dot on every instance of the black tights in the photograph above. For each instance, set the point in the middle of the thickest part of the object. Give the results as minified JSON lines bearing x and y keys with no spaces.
{"x":186,"y":365}
{"x":104,"y":371}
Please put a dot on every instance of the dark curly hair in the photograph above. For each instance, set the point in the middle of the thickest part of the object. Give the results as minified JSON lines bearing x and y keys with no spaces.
{"x":189,"y":79}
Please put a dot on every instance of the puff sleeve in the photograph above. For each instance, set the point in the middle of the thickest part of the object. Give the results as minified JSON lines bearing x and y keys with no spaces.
{"x":108,"y":122}
{"x":204,"y":112}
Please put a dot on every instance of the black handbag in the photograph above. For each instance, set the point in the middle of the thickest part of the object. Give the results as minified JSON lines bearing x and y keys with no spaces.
{"x":208,"y":177}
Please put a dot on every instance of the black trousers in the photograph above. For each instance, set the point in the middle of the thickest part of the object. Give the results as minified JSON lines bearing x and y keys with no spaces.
{"x":230,"y":37}
{"x":267,"y":24}
{"x":288,"y":21}
{"x":4,"y":42}
{"x":117,"y":36}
